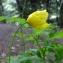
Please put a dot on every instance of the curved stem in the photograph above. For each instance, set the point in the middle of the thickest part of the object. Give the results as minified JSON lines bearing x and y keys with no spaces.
{"x":12,"y":41}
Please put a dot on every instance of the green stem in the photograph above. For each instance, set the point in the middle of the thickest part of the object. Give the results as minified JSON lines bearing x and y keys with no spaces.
{"x":22,"y":36}
{"x":42,"y":52}
{"x":39,"y":47}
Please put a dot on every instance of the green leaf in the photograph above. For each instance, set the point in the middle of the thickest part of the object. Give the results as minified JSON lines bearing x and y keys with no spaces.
{"x":2,"y":18}
{"x":57,"y":35}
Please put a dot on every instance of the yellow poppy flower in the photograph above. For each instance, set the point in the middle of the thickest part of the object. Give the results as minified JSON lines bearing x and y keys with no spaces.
{"x":38,"y":19}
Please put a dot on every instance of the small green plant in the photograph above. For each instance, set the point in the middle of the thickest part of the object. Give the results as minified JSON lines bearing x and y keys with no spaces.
{"x":46,"y":51}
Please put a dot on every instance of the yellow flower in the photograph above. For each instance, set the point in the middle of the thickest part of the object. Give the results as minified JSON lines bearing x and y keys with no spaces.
{"x":43,"y":26}
{"x":38,"y":19}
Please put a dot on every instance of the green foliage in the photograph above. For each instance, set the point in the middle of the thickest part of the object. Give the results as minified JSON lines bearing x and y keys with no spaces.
{"x":58,"y":35}
{"x":2,"y":19}
{"x":59,"y":53}
{"x":16,"y":19}
{"x":27,"y":57}
{"x":20,"y":21}
{"x":34,"y":56}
